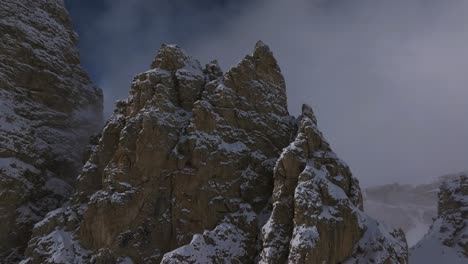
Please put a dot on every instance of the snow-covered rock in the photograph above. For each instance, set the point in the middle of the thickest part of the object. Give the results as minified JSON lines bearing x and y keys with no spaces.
{"x":447,"y":239}
{"x":48,"y":110}
{"x":317,"y":209}
{"x":197,"y":166}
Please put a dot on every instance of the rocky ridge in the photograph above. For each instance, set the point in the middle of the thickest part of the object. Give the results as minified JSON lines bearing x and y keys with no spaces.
{"x":48,"y":110}
{"x":447,"y":239}
{"x":197,"y":166}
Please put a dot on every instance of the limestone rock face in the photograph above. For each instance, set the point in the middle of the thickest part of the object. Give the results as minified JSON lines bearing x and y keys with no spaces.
{"x":197,"y":166}
{"x":447,"y":239}
{"x":48,"y":110}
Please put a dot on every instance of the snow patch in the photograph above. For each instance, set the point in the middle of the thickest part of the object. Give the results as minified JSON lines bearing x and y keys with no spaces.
{"x":61,"y":247}
{"x":225,"y":244}
{"x":304,"y":237}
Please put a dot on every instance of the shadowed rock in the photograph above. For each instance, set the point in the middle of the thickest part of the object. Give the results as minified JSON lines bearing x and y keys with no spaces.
{"x":48,"y":110}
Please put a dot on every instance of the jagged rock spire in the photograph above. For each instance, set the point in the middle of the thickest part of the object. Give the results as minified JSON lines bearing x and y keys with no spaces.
{"x":309,"y":113}
{"x":169,"y":57}
{"x":194,"y":163}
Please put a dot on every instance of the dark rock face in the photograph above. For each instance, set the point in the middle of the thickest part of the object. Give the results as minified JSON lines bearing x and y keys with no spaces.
{"x":197,"y":166}
{"x":447,"y":239}
{"x":48,"y":110}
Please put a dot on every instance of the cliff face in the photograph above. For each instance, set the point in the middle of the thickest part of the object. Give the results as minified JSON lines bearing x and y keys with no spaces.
{"x":447,"y":239}
{"x":197,"y":166}
{"x":48,"y":110}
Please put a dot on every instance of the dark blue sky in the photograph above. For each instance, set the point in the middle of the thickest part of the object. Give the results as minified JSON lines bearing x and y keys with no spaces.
{"x":84,"y":15}
{"x":180,"y":21}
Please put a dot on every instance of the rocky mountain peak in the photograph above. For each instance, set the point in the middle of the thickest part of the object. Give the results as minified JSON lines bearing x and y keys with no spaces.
{"x":171,"y":58}
{"x":197,"y":166}
{"x":309,"y":113}
{"x":264,"y":58}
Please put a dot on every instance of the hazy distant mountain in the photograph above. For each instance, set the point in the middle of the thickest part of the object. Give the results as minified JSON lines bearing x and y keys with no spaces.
{"x":409,"y":207}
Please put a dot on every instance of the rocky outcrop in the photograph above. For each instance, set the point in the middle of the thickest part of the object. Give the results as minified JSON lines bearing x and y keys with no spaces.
{"x":48,"y":110}
{"x":197,"y":166}
{"x":317,"y":209}
{"x":447,"y":239}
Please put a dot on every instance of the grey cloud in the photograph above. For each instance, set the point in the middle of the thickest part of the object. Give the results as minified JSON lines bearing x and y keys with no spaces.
{"x":122,"y":40}
{"x":386,"y":77}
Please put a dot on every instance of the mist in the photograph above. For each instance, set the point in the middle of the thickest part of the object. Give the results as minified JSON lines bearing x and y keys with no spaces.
{"x":387,"y":78}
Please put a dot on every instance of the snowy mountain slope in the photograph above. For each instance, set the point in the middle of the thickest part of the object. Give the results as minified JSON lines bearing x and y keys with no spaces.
{"x":447,"y":239}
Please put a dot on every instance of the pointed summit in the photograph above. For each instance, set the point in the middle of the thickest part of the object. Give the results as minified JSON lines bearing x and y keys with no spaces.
{"x":258,"y":78}
{"x":261,"y":46}
{"x":263,"y":56}
{"x":170,"y":57}
{"x":308,"y":112}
